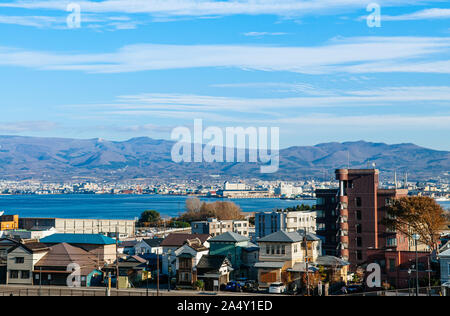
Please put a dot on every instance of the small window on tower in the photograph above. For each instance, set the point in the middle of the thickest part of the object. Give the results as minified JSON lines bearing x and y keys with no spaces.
{"x":358,"y":202}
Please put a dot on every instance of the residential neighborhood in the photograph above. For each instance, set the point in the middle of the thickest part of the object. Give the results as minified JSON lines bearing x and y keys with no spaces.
{"x":326,"y":249}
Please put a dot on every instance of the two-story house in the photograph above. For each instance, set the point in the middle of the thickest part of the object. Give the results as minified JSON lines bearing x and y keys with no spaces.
{"x":187,"y":258}
{"x":22,"y":260}
{"x":282,"y":256}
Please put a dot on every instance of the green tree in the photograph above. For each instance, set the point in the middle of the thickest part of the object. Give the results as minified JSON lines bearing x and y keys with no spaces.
{"x":150,"y":216}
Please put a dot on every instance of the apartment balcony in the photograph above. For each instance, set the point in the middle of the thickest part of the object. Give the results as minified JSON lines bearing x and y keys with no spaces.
{"x":344,"y":226}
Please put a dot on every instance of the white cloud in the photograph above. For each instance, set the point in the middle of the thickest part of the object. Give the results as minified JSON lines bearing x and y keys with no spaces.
{"x":352,"y":55}
{"x":209,"y":7}
{"x":260,"y":34}
{"x":26,"y":126}
{"x":428,"y":14}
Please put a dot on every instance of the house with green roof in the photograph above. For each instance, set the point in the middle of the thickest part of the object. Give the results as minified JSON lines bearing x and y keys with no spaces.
{"x":230,"y":245}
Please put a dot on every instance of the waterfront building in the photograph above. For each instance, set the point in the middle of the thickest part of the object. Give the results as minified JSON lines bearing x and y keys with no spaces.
{"x":215,"y":227}
{"x":9,"y":222}
{"x":267,"y":223}
{"x":125,"y":228}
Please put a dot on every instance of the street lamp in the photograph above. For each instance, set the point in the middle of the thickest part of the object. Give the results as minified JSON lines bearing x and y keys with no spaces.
{"x":416,"y":238}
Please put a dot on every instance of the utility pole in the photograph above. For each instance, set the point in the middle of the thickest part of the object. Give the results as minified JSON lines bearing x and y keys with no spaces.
{"x":157,"y":272}
{"x":117,"y":258}
{"x":306,"y":261}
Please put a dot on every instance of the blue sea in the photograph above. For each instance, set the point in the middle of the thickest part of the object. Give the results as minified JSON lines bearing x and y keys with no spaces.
{"x":119,"y":206}
{"x":123,"y":206}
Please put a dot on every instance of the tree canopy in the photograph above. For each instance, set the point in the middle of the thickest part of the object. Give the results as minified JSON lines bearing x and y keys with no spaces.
{"x":150,"y":216}
{"x":197,"y":210}
{"x":417,"y":215}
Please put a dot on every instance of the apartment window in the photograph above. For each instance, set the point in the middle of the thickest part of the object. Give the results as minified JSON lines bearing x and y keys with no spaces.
{"x":358,"y":228}
{"x":25,"y":274}
{"x":267,"y":250}
{"x":272,"y":250}
{"x":391,"y":265}
{"x":278,"y":249}
{"x":358,"y":255}
{"x":13,"y":274}
{"x":358,"y":241}
{"x":320,"y":201}
{"x":283,"y":249}
{"x":358,"y":202}
{"x":20,"y":260}
{"x":358,"y":215}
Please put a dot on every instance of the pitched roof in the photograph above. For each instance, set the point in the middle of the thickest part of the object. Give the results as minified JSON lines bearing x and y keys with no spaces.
{"x":230,"y":237}
{"x":61,"y":255}
{"x":282,"y":236}
{"x":211,"y":263}
{"x":177,"y":240}
{"x":289,"y":237}
{"x":153,"y":242}
{"x":331,"y":261}
{"x":445,"y":253}
{"x":91,"y":239}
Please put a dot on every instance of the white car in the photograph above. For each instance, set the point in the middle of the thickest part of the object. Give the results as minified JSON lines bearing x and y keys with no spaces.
{"x":277,"y":288}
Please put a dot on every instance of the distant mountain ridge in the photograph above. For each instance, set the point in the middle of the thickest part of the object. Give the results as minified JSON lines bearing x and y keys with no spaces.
{"x":66,"y":159}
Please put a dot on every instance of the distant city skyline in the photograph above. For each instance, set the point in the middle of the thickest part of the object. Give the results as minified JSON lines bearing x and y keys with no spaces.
{"x":313,"y":68}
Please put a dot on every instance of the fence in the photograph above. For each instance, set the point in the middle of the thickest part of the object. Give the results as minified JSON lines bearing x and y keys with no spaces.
{"x":71,"y":292}
{"x":423,"y":291}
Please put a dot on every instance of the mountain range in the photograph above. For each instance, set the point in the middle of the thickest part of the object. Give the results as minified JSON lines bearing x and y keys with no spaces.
{"x":57,"y":159}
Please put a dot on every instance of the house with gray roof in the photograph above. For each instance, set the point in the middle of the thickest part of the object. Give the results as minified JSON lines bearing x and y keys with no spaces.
{"x":282,"y":255}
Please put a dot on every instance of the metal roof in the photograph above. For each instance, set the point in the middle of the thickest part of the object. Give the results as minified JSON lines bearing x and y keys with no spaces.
{"x":230,"y":237}
{"x":91,"y":239}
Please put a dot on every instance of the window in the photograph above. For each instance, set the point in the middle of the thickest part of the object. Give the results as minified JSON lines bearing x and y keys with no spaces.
{"x":358,"y":255}
{"x":283,"y":249}
{"x":267,"y":249}
{"x":358,"y":215}
{"x":25,"y":274}
{"x":358,"y":228}
{"x":391,"y":265}
{"x":358,"y":202}
{"x":20,"y":260}
{"x":13,"y":274}
{"x":449,"y":269}
{"x":359,"y":242}
{"x":320,"y":201}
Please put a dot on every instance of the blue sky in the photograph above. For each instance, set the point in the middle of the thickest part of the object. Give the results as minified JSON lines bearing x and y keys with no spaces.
{"x":313,"y":68}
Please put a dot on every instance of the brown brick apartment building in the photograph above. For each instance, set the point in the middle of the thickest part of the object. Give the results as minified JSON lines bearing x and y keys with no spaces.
{"x":362,"y":206}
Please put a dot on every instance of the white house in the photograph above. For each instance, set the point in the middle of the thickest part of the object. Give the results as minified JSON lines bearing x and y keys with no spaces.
{"x":148,"y":246}
{"x":21,"y":262}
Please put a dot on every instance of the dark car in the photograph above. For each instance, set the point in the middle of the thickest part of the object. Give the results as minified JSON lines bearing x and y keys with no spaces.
{"x":233,"y":287}
{"x":251,"y":286}
{"x":355,"y":288}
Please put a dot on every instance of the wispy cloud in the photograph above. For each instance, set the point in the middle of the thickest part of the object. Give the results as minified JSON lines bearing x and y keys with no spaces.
{"x":261,"y":34}
{"x":428,"y":14}
{"x":26,"y":126}
{"x":350,"y":55}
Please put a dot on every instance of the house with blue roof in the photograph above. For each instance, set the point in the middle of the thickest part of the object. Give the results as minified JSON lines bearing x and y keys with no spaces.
{"x":100,"y":246}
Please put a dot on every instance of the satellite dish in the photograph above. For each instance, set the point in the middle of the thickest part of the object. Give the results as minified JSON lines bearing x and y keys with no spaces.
{"x":374,"y":164}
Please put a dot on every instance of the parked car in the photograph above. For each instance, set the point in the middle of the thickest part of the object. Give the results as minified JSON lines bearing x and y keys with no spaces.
{"x":277,"y":288}
{"x":251,"y":286}
{"x":233,"y":287}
